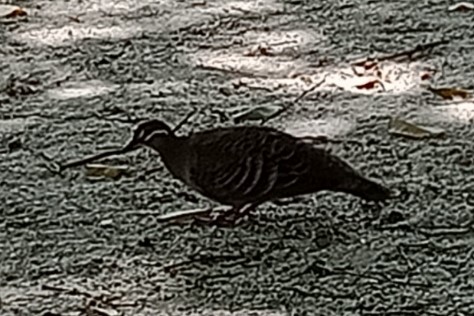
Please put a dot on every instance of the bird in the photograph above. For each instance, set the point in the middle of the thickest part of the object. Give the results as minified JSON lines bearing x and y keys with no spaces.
{"x":243,"y":166}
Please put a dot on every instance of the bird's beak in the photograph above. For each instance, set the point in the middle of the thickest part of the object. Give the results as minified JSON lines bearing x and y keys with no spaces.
{"x":131,"y":145}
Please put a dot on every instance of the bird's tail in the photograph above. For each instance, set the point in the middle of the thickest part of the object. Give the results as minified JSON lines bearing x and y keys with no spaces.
{"x":367,"y":189}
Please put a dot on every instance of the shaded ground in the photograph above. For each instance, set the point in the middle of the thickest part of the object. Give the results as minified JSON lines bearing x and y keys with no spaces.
{"x":64,"y":81}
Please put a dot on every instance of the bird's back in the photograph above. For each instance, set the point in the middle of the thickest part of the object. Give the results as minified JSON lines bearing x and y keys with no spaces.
{"x":252,"y":164}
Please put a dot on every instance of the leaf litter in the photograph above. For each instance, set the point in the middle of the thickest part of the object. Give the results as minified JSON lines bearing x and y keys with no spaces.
{"x":101,"y":171}
{"x":450,"y":93}
{"x":11,"y":11}
{"x":399,"y":127}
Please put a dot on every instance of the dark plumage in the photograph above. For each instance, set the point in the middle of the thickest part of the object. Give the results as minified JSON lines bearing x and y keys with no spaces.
{"x":249,"y":165}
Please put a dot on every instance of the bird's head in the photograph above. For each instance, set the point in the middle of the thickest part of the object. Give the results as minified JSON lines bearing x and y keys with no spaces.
{"x":144,"y":132}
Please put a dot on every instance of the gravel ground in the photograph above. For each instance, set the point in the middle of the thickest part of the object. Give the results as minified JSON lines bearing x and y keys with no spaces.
{"x":71,"y":245}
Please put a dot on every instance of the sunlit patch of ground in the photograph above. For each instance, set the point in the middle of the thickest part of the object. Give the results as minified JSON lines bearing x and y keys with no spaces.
{"x":81,"y":89}
{"x":462,"y":111}
{"x":294,"y":76}
{"x":265,"y":54}
{"x":275,"y":61}
{"x":263,"y":66}
{"x":330,"y":126}
{"x":90,"y":6}
{"x":70,"y":33}
{"x":77,"y":20}
{"x":232,"y":7}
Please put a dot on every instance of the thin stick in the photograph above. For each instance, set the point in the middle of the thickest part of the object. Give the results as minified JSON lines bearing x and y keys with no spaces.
{"x":184,"y":120}
{"x":306,"y":92}
{"x":189,"y":214}
{"x":407,"y":53}
{"x":86,"y":160}
{"x":123,"y":150}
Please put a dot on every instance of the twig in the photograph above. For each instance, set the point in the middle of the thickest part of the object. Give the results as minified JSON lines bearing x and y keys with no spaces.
{"x":276,"y":114}
{"x":185,"y":120}
{"x":86,"y":160}
{"x":408,"y":53}
{"x":182,"y":215}
{"x":113,"y":152}
{"x":445,"y":231}
{"x":314,"y":87}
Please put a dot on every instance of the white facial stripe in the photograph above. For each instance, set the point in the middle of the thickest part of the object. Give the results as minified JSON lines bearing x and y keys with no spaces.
{"x":158,"y":132}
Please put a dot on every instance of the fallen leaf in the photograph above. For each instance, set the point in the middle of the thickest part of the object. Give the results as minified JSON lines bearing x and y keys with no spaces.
{"x":11,"y":11}
{"x":255,"y":113}
{"x":370,"y":85}
{"x":97,"y":171}
{"x":399,"y":127}
{"x":74,"y":18}
{"x":461,"y":6}
{"x":450,"y":93}
{"x":426,"y":76}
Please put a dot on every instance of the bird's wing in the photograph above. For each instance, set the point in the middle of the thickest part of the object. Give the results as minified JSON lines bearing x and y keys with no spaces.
{"x":245,"y":165}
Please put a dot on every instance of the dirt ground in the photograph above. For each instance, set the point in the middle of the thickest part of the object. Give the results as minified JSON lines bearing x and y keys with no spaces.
{"x":72,"y":245}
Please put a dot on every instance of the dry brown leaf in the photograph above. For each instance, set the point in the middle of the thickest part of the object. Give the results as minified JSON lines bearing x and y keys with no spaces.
{"x":450,"y":93}
{"x":105,"y":171}
{"x":462,"y":7}
{"x":11,"y":11}
{"x":74,"y":18}
{"x":370,"y":85}
{"x":399,"y":127}
{"x":368,"y":66}
{"x":426,"y":76}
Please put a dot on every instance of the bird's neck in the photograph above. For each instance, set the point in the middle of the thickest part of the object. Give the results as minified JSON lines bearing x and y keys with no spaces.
{"x":172,"y":150}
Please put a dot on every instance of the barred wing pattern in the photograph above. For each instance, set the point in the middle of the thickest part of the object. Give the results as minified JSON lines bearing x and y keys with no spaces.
{"x":243,"y":165}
